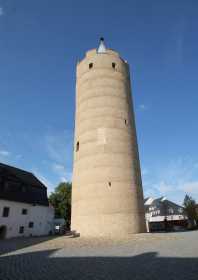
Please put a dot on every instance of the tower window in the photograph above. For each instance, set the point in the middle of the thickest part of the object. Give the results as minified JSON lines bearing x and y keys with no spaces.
{"x":109,"y":184}
{"x":113,"y":65}
{"x":125,"y":121}
{"x":77,"y":146}
{"x":90,"y":65}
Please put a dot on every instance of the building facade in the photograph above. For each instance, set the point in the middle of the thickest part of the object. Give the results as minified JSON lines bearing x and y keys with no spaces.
{"x":162,"y":214}
{"x":107,"y":196}
{"x":24,"y":207}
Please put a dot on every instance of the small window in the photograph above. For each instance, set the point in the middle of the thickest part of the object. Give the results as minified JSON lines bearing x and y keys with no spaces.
{"x":31,"y":224}
{"x":77,"y":146}
{"x":6,"y":211}
{"x":109,"y":184}
{"x":125,"y":121}
{"x":90,"y":65}
{"x":113,"y":65}
{"x":21,"y":229}
{"x":24,"y":212}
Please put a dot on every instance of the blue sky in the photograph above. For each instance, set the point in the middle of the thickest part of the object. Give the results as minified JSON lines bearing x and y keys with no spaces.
{"x":40,"y":43}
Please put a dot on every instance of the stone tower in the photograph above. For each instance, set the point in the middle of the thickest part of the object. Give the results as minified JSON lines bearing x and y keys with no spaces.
{"x":107,"y":196}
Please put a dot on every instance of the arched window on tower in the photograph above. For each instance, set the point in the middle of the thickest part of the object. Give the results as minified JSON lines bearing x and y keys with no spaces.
{"x":113,"y":65}
{"x":77,"y":146}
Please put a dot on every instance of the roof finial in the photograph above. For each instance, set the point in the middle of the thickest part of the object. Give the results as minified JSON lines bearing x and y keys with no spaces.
{"x":102,"y":48}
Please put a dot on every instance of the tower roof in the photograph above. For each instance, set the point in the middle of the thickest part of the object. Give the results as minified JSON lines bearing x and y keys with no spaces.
{"x":101,"y":48}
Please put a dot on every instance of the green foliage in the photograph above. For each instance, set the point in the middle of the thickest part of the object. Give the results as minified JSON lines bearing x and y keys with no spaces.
{"x":190,"y":208}
{"x":61,"y":201}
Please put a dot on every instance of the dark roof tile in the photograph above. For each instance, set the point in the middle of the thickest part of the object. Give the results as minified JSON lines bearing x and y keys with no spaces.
{"x":22,"y":186}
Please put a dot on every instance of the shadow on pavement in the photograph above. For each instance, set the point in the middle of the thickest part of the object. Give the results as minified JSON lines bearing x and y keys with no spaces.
{"x":48,"y":265}
{"x":13,"y":244}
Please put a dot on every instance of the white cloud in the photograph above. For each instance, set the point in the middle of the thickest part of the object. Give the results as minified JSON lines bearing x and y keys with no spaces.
{"x":150,"y":192}
{"x":190,"y":187}
{"x":60,"y":148}
{"x":67,"y":178}
{"x":56,"y":164}
{"x":4,"y":153}
{"x":63,"y":179}
{"x":174,"y":180}
{"x":63,"y":173}
{"x":142,"y":107}
{"x":178,"y":37}
{"x":144,"y":171}
{"x":164,"y":188}
{"x":1,"y":11}
{"x":58,"y":167}
{"x":19,"y":156}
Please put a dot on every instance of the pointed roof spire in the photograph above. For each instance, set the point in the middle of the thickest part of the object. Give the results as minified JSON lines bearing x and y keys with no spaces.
{"x":102,"y":48}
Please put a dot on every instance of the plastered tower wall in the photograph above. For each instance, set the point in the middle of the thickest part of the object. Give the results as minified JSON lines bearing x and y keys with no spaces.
{"x":107,"y":197}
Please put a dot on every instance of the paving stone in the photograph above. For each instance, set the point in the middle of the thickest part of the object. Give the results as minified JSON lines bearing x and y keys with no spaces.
{"x":147,"y":256}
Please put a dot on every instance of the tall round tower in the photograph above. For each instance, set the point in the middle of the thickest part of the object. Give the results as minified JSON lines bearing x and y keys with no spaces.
{"x":107,"y":196}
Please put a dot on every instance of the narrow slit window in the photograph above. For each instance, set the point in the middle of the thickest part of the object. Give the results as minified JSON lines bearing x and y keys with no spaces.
{"x":109,"y":184}
{"x":113,"y":65}
{"x":90,"y":65}
{"x":77,"y":146}
{"x":125,"y":121}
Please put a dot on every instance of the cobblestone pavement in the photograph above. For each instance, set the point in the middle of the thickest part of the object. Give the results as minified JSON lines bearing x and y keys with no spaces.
{"x":146,"y":256}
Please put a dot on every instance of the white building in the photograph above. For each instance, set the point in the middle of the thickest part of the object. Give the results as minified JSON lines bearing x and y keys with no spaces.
{"x":24,"y":207}
{"x":163,"y":214}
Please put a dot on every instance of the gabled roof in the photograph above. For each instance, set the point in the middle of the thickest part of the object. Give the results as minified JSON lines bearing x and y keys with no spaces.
{"x":172,"y":203}
{"x":25,"y":176}
{"x":161,"y":200}
{"x":148,"y":201}
{"x":21,"y":186}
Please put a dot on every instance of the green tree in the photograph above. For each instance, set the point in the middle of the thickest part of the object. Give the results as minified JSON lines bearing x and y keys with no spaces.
{"x":61,"y":201}
{"x":190,"y":208}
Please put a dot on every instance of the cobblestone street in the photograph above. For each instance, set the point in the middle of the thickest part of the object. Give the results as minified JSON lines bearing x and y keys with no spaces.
{"x":145,"y":256}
